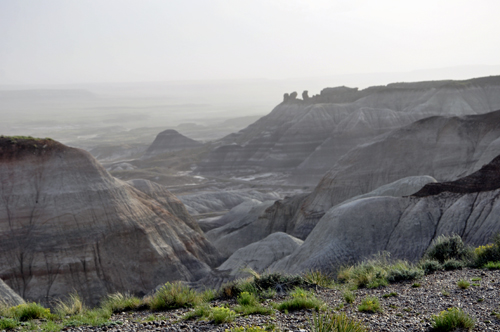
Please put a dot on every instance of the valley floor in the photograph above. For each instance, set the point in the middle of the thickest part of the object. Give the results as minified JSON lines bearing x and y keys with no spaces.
{"x":410,"y":310}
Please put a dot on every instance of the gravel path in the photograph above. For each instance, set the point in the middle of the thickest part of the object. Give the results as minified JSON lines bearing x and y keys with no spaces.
{"x":410,"y":310}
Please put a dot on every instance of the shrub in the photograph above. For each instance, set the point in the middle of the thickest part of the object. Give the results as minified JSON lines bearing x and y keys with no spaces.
{"x":349,"y":296}
{"x":222,"y":315}
{"x":172,"y":296}
{"x":8,"y":323}
{"x":488,"y":253}
{"x":72,"y":306}
{"x":335,"y":323}
{"x":463,"y":284}
{"x":119,"y":302}
{"x":452,"y":264}
{"x":246,"y":298}
{"x":370,"y":304}
{"x":444,"y":248}
{"x":319,"y":278}
{"x":301,"y":299}
{"x":94,"y":317}
{"x":452,"y":319}
{"x":200,"y":311}
{"x":402,"y":271}
{"x":28,"y":311}
{"x":430,"y":266}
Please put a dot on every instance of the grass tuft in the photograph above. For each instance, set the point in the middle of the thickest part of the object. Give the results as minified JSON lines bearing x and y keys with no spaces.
{"x":370,"y":304}
{"x":300,"y":299}
{"x":463,"y":284}
{"x":72,"y":306}
{"x":119,"y":302}
{"x":172,"y":296}
{"x":452,"y":319}
{"x":335,"y":323}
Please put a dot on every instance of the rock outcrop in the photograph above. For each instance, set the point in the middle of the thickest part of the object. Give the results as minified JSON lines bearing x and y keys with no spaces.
{"x":67,"y":225}
{"x":260,"y":255}
{"x":170,"y":140}
{"x":405,"y":226}
{"x":8,"y":297}
{"x":307,"y":138}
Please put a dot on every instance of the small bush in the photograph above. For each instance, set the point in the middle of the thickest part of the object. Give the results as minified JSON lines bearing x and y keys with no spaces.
{"x":72,"y":306}
{"x":463,"y":284}
{"x":172,"y":296}
{"x":280,"y":283}
{"x":319,"y":278}
{"x":453,"y":264}
{"x":200,"y":311}
{"x":119,"y":302}
{"x":402,"y":271}
{"x":335,"y":323}
{"x":488,"y":253}
{"x":444,"y":248}
{"x":370,"y":304}
{"x":301,"y":299}
{"x":94,"y":317}
{"x":8,"y":323}
{"x":246,"y":298}
{"x":430,"y":266}
{"x":349,"y":296}
{"x":369,"y":274}
{"x":28,"y":311}
{"x":492,"y":266}
{"x":222,"y":315}
{"x":452,"y":319}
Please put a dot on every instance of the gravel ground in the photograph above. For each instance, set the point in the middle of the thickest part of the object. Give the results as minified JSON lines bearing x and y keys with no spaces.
{"x":410,"y":310}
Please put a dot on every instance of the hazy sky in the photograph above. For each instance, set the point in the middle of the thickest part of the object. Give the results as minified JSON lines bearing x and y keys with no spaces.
{"x":71,"y":41}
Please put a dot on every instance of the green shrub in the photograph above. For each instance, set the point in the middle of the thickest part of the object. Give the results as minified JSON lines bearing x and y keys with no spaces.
{"x":492,"y":266}
{"x":246,"y":298}
{"x":319,"y":278}
{"x":463,"y":284}
{"x":300,"y":299}
{"x":28,"y":311}
{"x":72,"y":306}
{"x":349,"y":296}
{"x":402,"y":271}
{"x":174,"y":295}
{"x":453,"y":264}
{"x":93,"y":317}
{"x":119,"y":302}
{"x":430,"y":266}
{"x":200,"y":311}
{"x":488,"y":253}
{"x":452,"y":319}
{"x":222,"y":315}
{"x":391,"y":294}
{"x":8,"y":323}
{"x":331,"y":322}
{"x":445,"y":247}
{"x":370,"y":304}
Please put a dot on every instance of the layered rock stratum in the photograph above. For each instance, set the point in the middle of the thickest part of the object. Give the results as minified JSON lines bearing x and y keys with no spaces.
{"x":8,"y":297}
{"x":67,"y":225}
{"x":403,"y":226}
{"x":307,"y":137}
{"x":170,"y":140}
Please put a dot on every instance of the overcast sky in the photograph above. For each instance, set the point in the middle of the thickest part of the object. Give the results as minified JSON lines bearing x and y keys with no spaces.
{"x":73,"y":41}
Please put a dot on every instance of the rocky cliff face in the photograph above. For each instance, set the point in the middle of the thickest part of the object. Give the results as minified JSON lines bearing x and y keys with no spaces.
{"x":403,"y":226}
{"x":308,"y":137}
{"x":169,"y":140}
{"x":8,"y":297}
{"x":67,"y":225}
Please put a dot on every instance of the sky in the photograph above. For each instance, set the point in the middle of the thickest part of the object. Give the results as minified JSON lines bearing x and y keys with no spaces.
{"x":78,"y":41}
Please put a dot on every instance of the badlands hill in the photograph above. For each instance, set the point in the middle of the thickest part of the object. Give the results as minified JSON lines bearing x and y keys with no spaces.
{"x":170,"y":140}
{"x":403,"y":226}
{"x":307,"y":136}
{"x":67,"y":225}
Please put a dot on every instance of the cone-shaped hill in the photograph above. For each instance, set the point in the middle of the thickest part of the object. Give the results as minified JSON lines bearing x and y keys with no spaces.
{"x":170,"y":140}
{"x":67,"y":225}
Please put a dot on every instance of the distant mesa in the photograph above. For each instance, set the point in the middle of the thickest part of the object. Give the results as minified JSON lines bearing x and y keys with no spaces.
{"x":67,"y":225}
{"x":170,"y":140}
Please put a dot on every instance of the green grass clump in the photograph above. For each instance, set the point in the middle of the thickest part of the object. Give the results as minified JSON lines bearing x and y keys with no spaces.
{"x":348,"y":296}
{"x":492,"y":265}
{"x":370,"y":304}
{"x":452,"y":319}
{"x":119,"y":302}
{"x":488,"y":253}
{"x":331,"y":322}
{"x":172,"y":296}
{"x":51,"y":326}
{"x":247,"y":329}
{"x":249,"y":305}
{"x":200,"y":311}
{"x":319,"y":278}
{"x":222,"y":315}
{"x":300,"y":299}
{"x":28,"y":311}
{"x":444,"y":248}
{"x":402,"y":271}
{"x":8,"y":323}
{"x":72,"y":306}
{"x":391,"y":294}
{"x":463,"y":284}
{"x":93,"y":317}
